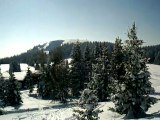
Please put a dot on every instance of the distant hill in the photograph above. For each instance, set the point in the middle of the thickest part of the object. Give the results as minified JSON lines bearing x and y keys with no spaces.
{"x":52,"y":45}
{"x":32,"y":56}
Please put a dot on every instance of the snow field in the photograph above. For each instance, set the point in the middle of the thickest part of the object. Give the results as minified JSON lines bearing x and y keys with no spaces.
{"x":62,"y":112}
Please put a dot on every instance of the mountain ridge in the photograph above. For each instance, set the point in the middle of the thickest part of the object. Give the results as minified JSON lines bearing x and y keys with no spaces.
{"x":31,"y":56}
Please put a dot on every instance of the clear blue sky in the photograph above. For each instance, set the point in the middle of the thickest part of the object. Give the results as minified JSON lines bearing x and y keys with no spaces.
{"x":25,"y":23}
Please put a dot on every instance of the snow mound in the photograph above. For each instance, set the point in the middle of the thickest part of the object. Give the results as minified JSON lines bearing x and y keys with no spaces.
{"x":20,"y":75}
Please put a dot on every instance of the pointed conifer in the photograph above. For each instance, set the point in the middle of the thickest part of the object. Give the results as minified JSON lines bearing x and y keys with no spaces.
{"x":133,"y":97}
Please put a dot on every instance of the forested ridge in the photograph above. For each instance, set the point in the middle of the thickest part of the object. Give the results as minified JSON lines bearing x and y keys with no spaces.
{"x":32,"y":56}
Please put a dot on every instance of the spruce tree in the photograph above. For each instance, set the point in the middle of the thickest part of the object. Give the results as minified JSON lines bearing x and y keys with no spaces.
{"x":96,"y":52}
{"x":59,"y":76}
{"x":42,"y":59}
{"x":101,"y":76}
{"x":28,"y":81}
{"x":45,"y":84}
{"x":87,"y":64}
{"x":10,"y":68}
{"x":41,"y":85}
{"x":54,"y":81}
{"x":76,"y":72}
{"x":12,"y":94}
{"x":106,"y":78}
{"x":117,"y":63}
{"x":88,"y":103}
{"x":62,"y":81}
{"x":14,"y":67}
{"x":133,"y":98}
{"x":57,"y":56}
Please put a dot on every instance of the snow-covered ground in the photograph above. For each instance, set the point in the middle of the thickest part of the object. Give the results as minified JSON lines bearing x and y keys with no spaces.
{"x":73,"y":41}
{"x":18,"y":75}
{"x":4,"y":67}
{"x":37,"y":109}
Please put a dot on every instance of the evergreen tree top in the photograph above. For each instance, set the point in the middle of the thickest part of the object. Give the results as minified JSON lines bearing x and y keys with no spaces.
{"x":133,"y":39}
{"x":76,"y":52}
{"x":87,"y":56}
{"x":118,"y":42}
{"x":132,"y":34}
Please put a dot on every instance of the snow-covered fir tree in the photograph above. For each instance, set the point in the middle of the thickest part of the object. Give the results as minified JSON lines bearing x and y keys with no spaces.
{"x":28,"y":81}
{"x":45,"y":84}
{"x":133,"y":97}
{"x":59,"y":74}
{"x":117,"y":63}
{"x":96,"y":52}
{"x":106,"y":77}
{"x":42,"y":59}
{"x":62,"y":82}
{"x":101,"y":77}
{"x":77,"y":70}
{"x":88,"y":104}
{"x":14,"y":67}
{"x":11,"y":93}
{"x":87,"y":64}
{"x":54,"y":81}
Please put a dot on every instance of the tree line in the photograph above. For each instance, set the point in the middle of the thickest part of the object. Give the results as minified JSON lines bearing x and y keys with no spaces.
{"x":32,"y":56}
{"x":153,"y":53}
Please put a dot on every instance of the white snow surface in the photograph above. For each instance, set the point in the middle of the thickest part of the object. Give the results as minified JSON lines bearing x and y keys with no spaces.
{"x":65,"y":113}
{"x":24,"y":67}
{"x":69,"y":60}
{"x":73,"y":41}
{"x":18,"y":75}
{"x":4,"y":67}
{"x":46,"y":45}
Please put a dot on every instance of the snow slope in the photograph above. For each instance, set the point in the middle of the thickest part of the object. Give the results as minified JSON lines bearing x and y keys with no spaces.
{"x":56,"y":111}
